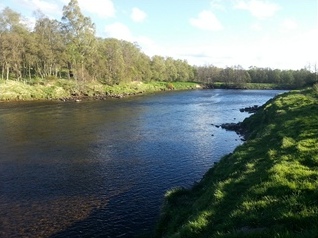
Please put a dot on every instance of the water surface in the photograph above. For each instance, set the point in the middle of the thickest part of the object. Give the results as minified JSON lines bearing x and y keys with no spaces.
{"x":101,"y":168}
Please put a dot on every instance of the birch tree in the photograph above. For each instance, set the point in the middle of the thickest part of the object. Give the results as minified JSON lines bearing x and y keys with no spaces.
{"x":79,"y":36}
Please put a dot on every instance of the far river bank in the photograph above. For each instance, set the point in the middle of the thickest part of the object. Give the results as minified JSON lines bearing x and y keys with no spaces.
{"x":72,"y":90}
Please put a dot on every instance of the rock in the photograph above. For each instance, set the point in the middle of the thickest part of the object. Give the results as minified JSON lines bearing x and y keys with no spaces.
{"x":231,"y":126}
{"x":252,"y":109}
{"x":237,"y":127}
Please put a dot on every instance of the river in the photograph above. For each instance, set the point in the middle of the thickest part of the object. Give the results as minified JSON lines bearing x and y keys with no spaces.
{"x":101,"y":168}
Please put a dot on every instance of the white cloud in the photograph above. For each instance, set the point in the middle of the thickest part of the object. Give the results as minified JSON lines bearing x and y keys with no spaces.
{"x":53,"y":8}
{"x":256,"y":27}
{"x":46,"y":7}
{"x":217,"y":4}
{"x":285,"y":52}
{"x":149,"y":47}
{"x":137,"y":15}
{"x":122,"y":32}
{"x":29,"y":22}
{"x":119,"y":31}
{"x":102,"y":9}
{"x":289,"y":24}
{"x":206,"y":21}
{"x":258,"y":8}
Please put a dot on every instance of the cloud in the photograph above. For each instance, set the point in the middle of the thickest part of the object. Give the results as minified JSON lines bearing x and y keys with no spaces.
{"x":103,"y":9}
{"x":29,"y":22}
{"x":138,"y":15}
{"x":206,"y":20}
{"x":256,"y":27}
{"x":47,"y":7}
{"x":122,"y":32}
{"x":289,"y":51}
{"x":119,"y":31}
{"x":217,"y":4}
{"x":258,"y":8}
{"x":289,"y":24}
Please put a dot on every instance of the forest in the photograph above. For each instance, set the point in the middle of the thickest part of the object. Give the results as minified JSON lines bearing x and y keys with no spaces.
{"x":70,"y":49}
{"x":237,"y":76}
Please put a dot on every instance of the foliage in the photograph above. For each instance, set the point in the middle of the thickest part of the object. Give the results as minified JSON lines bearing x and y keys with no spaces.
{"x":70,"y":49}
{"x":237,"y":77}
{"x":267,"y":188}
{"x":67,"y":89}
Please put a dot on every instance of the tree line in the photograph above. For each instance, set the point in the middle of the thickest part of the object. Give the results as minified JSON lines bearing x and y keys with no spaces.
{"x":70,"y":49}
{"x":237,"y":76}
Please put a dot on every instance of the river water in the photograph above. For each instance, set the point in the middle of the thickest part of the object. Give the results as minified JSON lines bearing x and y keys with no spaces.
{"x":101,"y":168}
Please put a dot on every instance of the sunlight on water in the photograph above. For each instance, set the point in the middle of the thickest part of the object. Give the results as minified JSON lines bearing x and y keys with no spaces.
{"x":102,"y":167}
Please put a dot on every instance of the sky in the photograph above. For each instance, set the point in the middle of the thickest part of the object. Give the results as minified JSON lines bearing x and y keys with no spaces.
{"x":279,"y":34}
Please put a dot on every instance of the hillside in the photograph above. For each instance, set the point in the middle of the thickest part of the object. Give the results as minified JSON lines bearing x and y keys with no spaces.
{"x":268,"y":187}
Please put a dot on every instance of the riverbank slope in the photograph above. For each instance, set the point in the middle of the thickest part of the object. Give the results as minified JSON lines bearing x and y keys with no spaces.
{"x":268,"y":187}
{"x":63,"y":89}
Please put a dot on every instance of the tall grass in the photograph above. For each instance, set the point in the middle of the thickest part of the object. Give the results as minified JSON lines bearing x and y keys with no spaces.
{"x":267,"y":188}
{"x":53,"y":89}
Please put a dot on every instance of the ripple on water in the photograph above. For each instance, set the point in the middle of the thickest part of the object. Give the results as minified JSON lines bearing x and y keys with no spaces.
{"x":101,"y":168}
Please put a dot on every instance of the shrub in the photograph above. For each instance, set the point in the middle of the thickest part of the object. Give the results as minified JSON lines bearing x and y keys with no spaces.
{"x":169,"y":86}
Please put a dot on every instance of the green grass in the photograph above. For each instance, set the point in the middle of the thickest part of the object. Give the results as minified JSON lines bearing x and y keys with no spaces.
{"x":267,"y":188}
{"x":259,"y":86}
{"x":54,"y":89}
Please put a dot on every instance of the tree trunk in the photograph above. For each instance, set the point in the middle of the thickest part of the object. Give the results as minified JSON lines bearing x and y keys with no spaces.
{"x":82,"y":71}
{"x":2,"y":71}
{"x":29,"y":71}
{"x":8,"y":69}
{"x":70,"y":71}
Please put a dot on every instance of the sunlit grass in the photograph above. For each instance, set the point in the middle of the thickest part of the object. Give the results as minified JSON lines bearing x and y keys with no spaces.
{"x":267,"y":188}
{"x":43,"y":89}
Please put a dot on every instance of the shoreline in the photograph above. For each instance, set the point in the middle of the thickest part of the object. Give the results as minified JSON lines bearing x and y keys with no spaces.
{"x":247,"y":192}
{"x":70,"y":90}
{"x":249,"y":86}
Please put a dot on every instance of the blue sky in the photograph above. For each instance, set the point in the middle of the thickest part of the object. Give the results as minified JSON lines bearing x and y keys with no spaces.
{"x":264,"y":33}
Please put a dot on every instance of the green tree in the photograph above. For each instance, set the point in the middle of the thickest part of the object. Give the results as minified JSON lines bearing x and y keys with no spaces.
{"x":158,"y":68}
{"x":110,"y":61}
{"x":12,"y":36}
{"x":287,"y":77}
{"x":208,"y":74}
{"x":144,"y":68}
{"x":29,"y":56}
{"x":79,"y":36}
{"x":50,"y":46}
{"x":131,"y":55}
{"x":171,"y":72}
{"x":184,"y":72}
{"x":11,"y":21}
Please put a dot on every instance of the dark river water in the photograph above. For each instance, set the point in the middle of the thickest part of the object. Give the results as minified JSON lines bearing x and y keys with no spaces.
{"x":101,"y":168}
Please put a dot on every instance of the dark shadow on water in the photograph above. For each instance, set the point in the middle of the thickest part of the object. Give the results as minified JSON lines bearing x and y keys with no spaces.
{"x":107,"y":221}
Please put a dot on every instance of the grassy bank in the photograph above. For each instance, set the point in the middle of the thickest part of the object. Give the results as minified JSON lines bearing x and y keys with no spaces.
{"x":267,"y":188}
{"x":252,"y":86}
{"x":61,"y":89}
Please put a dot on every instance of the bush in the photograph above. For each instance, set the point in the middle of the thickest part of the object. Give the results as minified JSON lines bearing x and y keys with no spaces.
{"x":315,"y":87}
{"x":169,"y":86}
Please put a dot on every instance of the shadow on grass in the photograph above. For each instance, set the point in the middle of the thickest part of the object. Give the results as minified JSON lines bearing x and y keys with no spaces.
{"x":267,"y":188}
